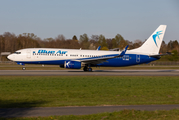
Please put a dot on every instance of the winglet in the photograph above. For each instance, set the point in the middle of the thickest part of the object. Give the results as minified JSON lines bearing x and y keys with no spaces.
{"x":124,"y":51}
{"x":98,"y":48}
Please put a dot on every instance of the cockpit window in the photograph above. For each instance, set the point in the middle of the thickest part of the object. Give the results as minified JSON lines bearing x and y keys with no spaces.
{"x":17,"y":52}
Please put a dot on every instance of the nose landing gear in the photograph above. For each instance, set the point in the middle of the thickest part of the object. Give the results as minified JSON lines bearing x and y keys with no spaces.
{"x":23,"y":68}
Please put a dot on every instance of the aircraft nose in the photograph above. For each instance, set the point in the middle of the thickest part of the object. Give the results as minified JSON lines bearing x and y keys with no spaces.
{"x":10,"y":57}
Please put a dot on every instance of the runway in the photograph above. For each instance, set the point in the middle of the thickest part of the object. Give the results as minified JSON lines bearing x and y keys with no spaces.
{"x":49,"y":111}
{"x":156,"y":72}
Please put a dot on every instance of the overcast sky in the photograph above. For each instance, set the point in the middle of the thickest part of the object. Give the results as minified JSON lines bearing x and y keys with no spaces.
{"x":133,"y":19}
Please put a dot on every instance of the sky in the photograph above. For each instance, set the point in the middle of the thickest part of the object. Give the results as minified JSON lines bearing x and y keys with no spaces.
{"x":133,"y":19}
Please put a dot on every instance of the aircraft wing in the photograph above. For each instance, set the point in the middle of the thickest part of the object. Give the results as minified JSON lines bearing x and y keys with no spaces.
{"x":103,"y":59}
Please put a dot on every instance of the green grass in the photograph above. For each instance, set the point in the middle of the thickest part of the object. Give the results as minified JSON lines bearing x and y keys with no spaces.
{"x":49,"y":91}
{"x":121,"y":115}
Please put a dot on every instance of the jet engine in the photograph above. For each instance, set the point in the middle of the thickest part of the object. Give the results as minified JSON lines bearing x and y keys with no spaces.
{"x":72,"y":64}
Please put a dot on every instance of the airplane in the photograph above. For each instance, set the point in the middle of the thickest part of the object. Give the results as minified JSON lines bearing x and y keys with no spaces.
{"x":78,"y":58}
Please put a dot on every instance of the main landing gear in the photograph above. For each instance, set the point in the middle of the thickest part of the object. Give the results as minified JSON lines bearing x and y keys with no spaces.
{"x":87,"y":68}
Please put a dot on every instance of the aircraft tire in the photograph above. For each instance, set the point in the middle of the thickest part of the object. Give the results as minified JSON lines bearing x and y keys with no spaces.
{"x":85,"y":68}
{"x":89,"y":69}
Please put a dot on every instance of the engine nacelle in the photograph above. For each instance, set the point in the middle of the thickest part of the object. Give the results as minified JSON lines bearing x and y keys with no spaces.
{"x":72,"y":65}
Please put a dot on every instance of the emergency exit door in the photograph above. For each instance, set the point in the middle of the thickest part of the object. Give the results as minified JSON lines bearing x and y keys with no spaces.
{"x":137,"y":58}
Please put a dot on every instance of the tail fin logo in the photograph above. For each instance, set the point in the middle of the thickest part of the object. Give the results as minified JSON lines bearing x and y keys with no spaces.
{"x":156,"y":35}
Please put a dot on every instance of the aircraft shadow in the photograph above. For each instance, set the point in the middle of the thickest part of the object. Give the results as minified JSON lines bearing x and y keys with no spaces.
{"x":9,"y":109}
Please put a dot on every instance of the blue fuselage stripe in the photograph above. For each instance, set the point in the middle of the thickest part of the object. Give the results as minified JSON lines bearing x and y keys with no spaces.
{"x":126,"y":60}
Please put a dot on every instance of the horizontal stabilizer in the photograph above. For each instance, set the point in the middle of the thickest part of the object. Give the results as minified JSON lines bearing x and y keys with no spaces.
{"x":158,"y":55}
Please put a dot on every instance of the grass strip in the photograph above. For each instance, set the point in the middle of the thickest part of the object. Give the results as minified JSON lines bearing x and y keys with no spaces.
{"x":53,"y":91}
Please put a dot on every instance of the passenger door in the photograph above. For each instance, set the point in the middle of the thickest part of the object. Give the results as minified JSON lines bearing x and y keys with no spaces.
{"x":28,"y":54}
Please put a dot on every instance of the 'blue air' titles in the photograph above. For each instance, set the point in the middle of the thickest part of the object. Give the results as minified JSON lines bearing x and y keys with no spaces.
{"x":51,"y":52}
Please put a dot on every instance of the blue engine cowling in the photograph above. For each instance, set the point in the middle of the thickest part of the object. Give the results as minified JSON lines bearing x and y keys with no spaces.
{"x":72,"y":65}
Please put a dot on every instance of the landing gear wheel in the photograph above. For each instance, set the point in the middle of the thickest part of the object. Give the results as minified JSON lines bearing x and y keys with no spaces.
{"x":85,"y":68}
{"x":23,"y":68}
{"x":89,"y":69}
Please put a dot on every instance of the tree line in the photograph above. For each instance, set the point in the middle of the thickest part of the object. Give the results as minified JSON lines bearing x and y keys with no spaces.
{"x":10,"y":42}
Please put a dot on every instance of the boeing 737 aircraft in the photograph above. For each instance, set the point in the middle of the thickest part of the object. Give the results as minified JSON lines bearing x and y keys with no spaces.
{"x":77,"y":58}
